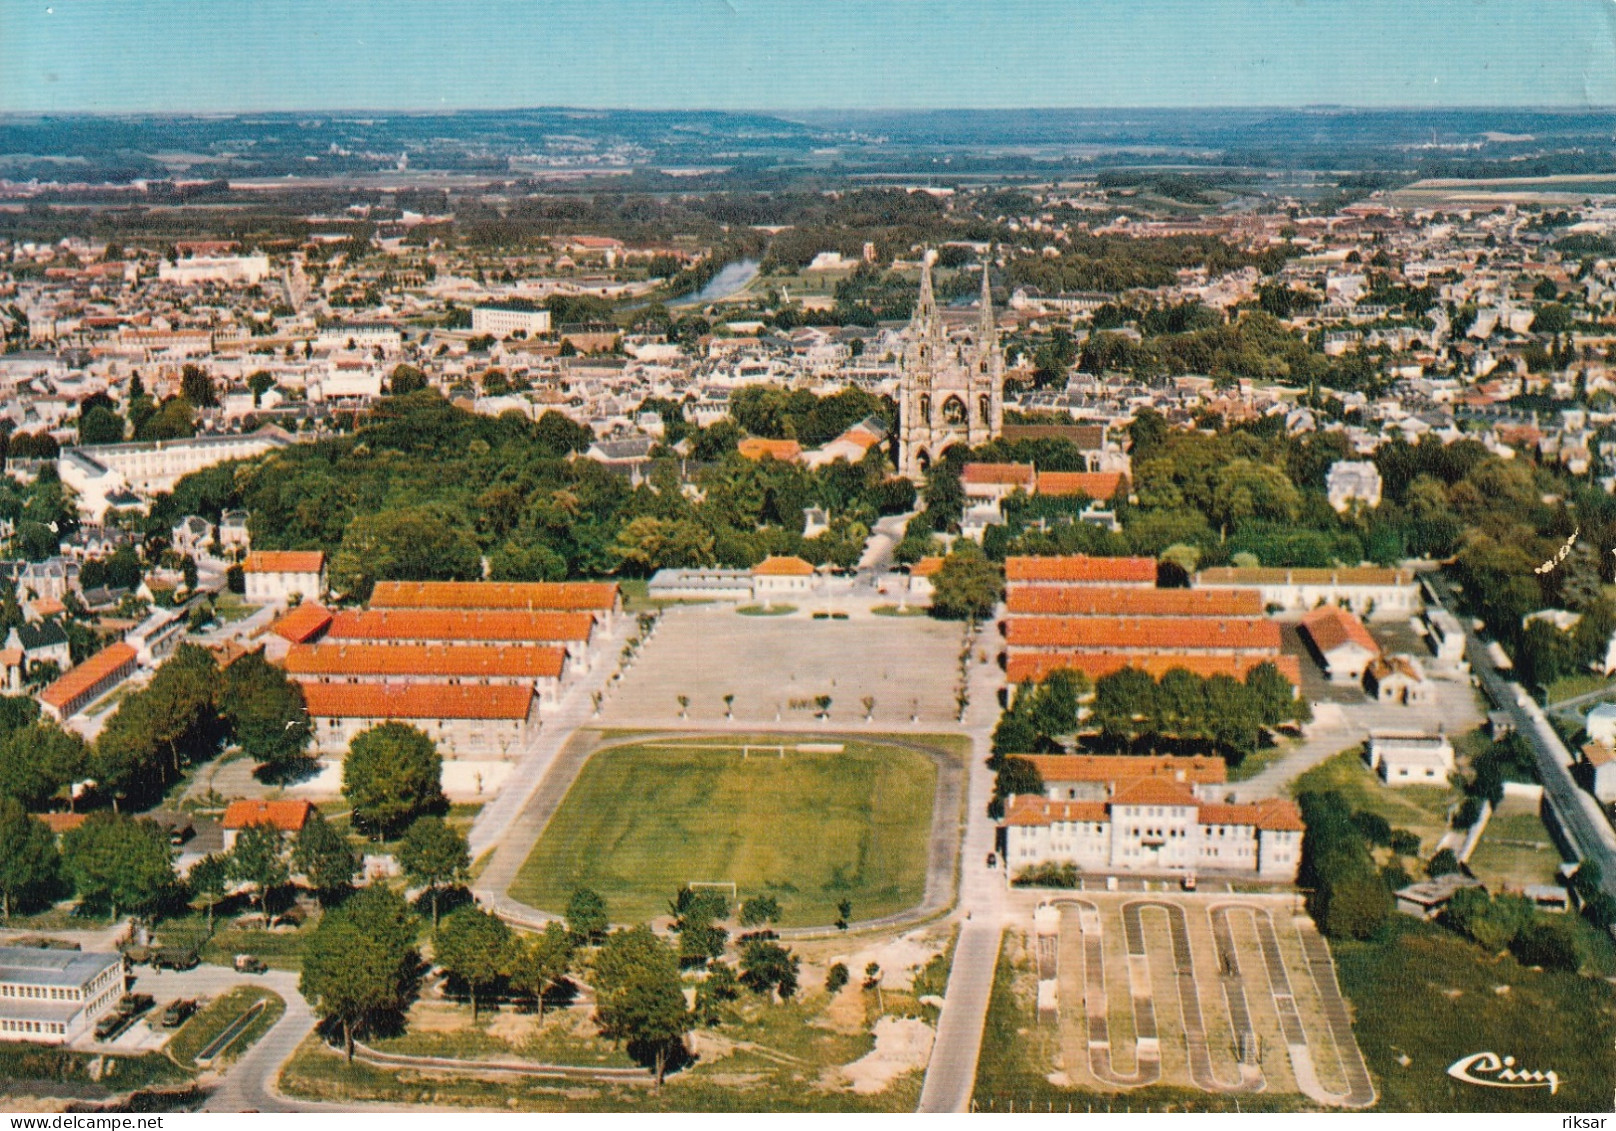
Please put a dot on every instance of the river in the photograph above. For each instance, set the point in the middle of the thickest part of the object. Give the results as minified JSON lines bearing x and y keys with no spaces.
{"x":732,"y":277}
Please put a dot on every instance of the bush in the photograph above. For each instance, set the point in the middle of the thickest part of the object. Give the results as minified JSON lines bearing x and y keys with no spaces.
{"x":1442,"y":864}
{"x":1047,"y":876}
{"x":836,"y":978}
{"x":1547,"y":943}
{"x":1373,"y":826}
{"x":1404,"y":843}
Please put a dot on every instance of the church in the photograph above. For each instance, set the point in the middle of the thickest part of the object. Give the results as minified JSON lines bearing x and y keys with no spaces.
{"x":952,"y":385}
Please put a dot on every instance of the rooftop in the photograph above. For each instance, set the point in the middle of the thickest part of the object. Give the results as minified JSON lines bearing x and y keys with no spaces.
{"x":417,"y":701}
{"x":564,"y":596}
{"x":1082,"y":569}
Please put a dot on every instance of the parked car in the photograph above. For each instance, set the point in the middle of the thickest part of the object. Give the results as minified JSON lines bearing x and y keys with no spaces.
{"x":249,"y":964}
{"x":177,"y":1012}
{"x":175,"y":958}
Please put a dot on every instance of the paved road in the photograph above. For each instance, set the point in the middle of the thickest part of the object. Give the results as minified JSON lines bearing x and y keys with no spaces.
{"x":984,"y":910}
{"x":884,"y":538}
{"x":1577,"y":813}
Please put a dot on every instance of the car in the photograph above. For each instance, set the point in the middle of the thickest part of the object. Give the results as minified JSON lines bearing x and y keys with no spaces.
{"x":177,"y":1012}
{"x":1188,"y":882}
{"x":175,"y":958}
{"x":993,"y":860}
{"x":249,"y":964}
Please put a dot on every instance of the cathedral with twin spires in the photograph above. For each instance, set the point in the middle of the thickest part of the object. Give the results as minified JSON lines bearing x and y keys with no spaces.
{"x":952,"y":385}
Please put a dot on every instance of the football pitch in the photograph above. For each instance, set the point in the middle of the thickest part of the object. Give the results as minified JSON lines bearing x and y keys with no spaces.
{"x":811,"y":828}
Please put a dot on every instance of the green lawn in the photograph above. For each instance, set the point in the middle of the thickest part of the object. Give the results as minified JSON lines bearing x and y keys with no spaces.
{"x":1516,"y":849}
{"x":766,"y":610}
{"x":812,"y":829}
{"x":217,"y":1016}
{"x":1424,"y":994}
{"x":1419,"y":808}
{"x":1572,"y":685}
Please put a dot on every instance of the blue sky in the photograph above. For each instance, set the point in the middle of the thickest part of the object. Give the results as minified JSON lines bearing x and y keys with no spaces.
{"x":227,"y":55}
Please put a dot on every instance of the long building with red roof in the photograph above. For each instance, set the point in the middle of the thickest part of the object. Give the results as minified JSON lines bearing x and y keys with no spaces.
{"x":1119,"y":601}
{"x":472,"y":721}
{"x":600,"y":598}
{"x":1034,"y":667}
{"x":539,"y":666}
{"x":460,"y":626}
{"x":1079,"y":569}
{"x":80,"y":686}
{"x":1217,"y":636}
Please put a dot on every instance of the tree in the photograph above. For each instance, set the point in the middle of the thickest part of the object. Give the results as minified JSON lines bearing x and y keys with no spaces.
{"x":265,"y":712}
{"x":540,"y":965}
{"x":434,"y":853}
{"x":392,"y":774}
{"x":586,"y":915}
{"x":835,"y":978}
{"x":1124,"y":703}
{"x":718,"y":989}
{"x":473,"y":947}
{"x":325,"y":857}
{"x":258,"y":858}
{"x":767,"y":966}
{"x":966,"y":587}
{"x":638,"y":996}
{"x":197,"y":387}
{"x":1443,"y":863}
{"x":100,"y":425}
{"x":760,"y":909}
{"x":356,"y":961}
{"x":424,"y":543}
{"x":37,"y":761}
{"x":208,"y":879}
{"x":29,"y":862}
{"x":406,"y":379}
{"x":260,"y":382}
{"x":119,"y":863}
{"x":1546,"y":942}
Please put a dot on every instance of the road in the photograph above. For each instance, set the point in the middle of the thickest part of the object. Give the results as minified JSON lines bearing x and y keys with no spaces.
{"x":576,"y":707}
{"x":983,"y":911}
{"x":1578,"y":814}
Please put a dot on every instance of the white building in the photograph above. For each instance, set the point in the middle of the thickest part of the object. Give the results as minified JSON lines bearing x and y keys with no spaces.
{"x":778,"y":577}
{"x":273,"y":577}
{"x":1410,"y":759}
{"x":1352,"y":481}
{"x":504,"y":319}
{"x":1445,"y":635}
{"x":1601,"y":724}
{"x":157,"y":465}
{"x":235,"y":270}
{"x":1155,"y":826}
{"x":155,"y":638}
{"x":1369,"y":591}
{"x":466,"y":721}
{"x":53,"y":997}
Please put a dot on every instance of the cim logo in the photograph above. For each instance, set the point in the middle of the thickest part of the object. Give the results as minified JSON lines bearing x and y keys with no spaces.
{"x":1492,"y":1071}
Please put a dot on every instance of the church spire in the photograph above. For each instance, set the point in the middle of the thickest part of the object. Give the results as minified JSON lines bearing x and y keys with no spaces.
{"x":926,"y":305}
{"x":985,"y":323}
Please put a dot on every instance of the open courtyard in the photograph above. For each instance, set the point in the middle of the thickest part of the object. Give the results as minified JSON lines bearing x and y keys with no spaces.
{"x":811,"y":823}
{"x":775,"y":667}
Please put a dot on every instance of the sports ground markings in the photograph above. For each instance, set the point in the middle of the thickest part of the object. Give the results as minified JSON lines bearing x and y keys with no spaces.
{"x":1301,"y":1051}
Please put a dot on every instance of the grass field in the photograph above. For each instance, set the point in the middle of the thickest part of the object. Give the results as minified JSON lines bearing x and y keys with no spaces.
{"x":218,"y":1015}
{"x":812,"y":829}
{"x":1421,"y":809}
{"x":1516,"y":849}
{"x":1427,"y":996}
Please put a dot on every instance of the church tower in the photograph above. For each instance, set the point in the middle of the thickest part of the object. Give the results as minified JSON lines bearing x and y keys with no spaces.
{"x":951,"y":387}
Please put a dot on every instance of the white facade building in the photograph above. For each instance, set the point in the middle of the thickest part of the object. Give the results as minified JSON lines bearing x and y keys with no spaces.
{"x":1352,"y":481}
{"x":502,"y":321}
{"x":53,"y":997}
{"x":1410,"y":759}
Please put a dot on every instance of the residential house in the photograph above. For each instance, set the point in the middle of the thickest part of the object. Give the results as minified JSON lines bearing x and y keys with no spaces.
{"x":275,"y":577}
{"x":286,"y":817}
{"x":1410,"y":759}
{"x":1340,"y":643}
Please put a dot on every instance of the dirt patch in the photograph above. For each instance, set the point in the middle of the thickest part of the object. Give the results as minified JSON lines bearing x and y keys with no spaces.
{"x":513,"y":1028}
{"x":902,"y":1045}
{"x":845,"y":1011}
{"x":432,"y":1017}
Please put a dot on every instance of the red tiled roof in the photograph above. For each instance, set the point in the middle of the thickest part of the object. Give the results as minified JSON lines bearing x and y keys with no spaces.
{"x":1144,"y":633}
{"x":1346,"y":575}
{"x":303,"y":623}
{"x":1199,"y":769}
{"x":287,"y":816}
{"x":776,"y":565}
{"x":1330,"y":628}
{"x":1081,"y":568}
{"x":1099,"y":600}
{"x":1028,"y":809}
{"x":60,"y":823}
{"x":1100,"y":485}
{"x":756,"y":447}
{"x":490,"y":626}
{"x":417,"y":701}
{"x":926,"y":567}
{"x":1279,"y":814}
{"x":464,"y":660}
{"x":554,"y":596}
{"x":998,"y":474}
{"x":284,"y":561}
{"x":76,"y":681}
{"x":1035,"y":666}
{"x":1153,"y":791}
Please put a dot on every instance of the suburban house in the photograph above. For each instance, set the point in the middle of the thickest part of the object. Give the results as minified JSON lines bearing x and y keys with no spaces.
{"x":1340,"y":643}
{"x":1410,"y":759}
{"x":779,"y":576}
{"x":286,"y":817}
{"x":191,"y":536}
{"x":233,"y":533}
{"x":274,"y":577}
{"x":1398,"y":678}
{"x":41,"y":642}
{"x":1350,"y":481}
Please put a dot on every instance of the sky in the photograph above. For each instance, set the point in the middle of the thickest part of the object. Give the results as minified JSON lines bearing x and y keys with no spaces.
{"x":199,"y":56}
